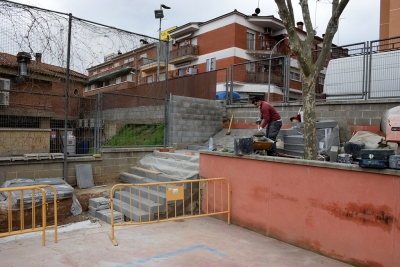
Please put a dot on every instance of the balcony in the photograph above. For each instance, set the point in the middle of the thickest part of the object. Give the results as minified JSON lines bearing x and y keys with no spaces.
{"x":149,"y":64}
{"x":183,"y":54}
{"x":262,"y":77}
{"x":260,"y":47}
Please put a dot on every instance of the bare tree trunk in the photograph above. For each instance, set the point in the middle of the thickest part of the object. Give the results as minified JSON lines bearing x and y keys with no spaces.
{"x":310,"y":139}
{"x":302,"y":48}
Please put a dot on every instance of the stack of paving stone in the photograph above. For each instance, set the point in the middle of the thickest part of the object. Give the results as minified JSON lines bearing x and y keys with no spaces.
{"x":62,"y":188}
{"x":100,"y":208}
{"x":293,"y":138}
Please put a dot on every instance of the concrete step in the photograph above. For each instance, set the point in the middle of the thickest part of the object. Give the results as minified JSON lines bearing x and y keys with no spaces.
{"x":130,"y":178}
{"x":145,"y":170}
{"x":136,"y":179}
{"x":131,"y":212}
{"x":140,"y":203}
{"x":298,"y":153}
{"x":145,"y":193}
{"x":166,"y":164}
{"x":177,"y":155}
{"x":197,"y":147}
{"x":293,"y":139}
{"x":157,"y":176}
{"x":293,"y":147}
{"x":105,"y":215}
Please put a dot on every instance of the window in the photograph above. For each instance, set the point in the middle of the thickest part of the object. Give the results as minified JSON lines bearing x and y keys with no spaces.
{"x":92,"y":87}
{"x":118,"y":80}
{"x":294,"y":76}
{"x":182,"y":72}
{"x":129,"y":77}
{"x":162,"y":76}
{"x":86,"y":89}
{"x":211,"y":64}
{"x":149,"y":79}
{"x":116,"y":64}
{"x":250,"y":41}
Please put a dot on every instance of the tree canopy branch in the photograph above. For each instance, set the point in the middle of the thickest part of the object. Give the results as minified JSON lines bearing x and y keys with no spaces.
{"x":330,"y":32}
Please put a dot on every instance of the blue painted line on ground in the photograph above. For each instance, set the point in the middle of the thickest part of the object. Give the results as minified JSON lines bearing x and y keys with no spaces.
{"x":162,"y":256}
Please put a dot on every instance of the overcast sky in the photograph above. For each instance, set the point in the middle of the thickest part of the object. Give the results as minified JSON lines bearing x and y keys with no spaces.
{"x":359,"y":22}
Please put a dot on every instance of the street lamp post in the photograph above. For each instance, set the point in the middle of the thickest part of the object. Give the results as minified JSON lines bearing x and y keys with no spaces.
{"x":158,"y":13}
{"x":269,"y":67}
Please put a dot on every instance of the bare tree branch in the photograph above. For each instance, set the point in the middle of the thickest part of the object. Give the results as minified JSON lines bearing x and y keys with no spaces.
{"x":330,"y":32}
{"x":308,"y":23}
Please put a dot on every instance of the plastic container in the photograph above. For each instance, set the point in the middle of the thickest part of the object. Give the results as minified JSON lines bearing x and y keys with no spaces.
{"x":373,"y":163}
{"x":85,"y":147}
{"x":345,"y":158}
{"x":394,"y":162}
{"x":211,"y":144}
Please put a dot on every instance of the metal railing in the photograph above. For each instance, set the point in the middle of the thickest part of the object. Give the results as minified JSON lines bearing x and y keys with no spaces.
{"x":169,"y":201}
{"x":259,"y":44}
{"x":16,"y":210}
{"x":186,"y":50}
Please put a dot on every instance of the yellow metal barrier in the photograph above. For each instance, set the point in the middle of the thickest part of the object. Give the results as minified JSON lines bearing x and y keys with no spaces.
{"x":20,"y":208}
{"x":160,"y":202}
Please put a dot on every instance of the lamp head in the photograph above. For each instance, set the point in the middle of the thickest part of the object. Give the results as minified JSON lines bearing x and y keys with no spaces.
{"x":165,"y":7}
{"x":158,"y":13}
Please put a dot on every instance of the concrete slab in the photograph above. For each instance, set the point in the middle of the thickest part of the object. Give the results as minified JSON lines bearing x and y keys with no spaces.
{"x":196,"y":242}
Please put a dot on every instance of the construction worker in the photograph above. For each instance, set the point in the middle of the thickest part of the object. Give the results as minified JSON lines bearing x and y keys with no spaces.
{"x":269,"y":119}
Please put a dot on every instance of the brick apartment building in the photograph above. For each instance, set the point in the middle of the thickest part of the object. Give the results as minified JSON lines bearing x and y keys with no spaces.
{"x":237,"y":38}
{"x":199,"y":47}
{"x":126,"y":70}
{"x":389,"y":19}
{"x":32,"y":103}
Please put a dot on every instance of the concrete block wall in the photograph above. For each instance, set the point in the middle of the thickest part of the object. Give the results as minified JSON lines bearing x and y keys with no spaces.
{"x":108,"y":167}
{"x":193,"y":120}
{"x":357,"y":113}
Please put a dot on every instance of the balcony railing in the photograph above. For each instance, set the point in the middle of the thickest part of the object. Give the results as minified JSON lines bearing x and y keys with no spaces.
{"x":187,"y":50}
{"x":259,"y":44}
{"x":147,"y":61}
{"x":262,"y":77}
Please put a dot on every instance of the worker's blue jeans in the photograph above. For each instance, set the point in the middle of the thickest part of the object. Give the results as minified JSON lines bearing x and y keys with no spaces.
{"x":272,"y":132}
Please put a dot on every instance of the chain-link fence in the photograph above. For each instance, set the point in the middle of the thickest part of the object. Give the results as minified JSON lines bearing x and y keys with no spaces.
{"x":61,"y":74}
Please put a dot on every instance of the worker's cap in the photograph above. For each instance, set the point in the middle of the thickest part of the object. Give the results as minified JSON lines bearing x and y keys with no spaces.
{"x":297,"y":117}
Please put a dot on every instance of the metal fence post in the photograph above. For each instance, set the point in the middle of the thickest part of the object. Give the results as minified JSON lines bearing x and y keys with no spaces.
{"x":231,"y":94}
{"x":226,"y":85}
{"x":368,"y":70}
{"x":65,"y":165}
{"x":166,"y":97}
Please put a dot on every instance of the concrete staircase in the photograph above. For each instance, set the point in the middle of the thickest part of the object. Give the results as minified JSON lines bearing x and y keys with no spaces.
{"x":143,"y":203}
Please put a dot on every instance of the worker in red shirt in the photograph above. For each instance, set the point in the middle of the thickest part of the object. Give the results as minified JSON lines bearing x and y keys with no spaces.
{"x":271,"y":120}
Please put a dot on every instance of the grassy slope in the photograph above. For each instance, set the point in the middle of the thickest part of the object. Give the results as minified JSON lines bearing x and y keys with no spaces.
{"x":138,"y":135}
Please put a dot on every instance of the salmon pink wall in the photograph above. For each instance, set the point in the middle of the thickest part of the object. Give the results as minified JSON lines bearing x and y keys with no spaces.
{"x":342,"y":211}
